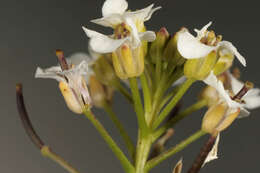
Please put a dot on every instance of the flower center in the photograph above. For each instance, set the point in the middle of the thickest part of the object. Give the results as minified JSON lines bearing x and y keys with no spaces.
{"x":210,"y":38}
{"x":122,"y":31}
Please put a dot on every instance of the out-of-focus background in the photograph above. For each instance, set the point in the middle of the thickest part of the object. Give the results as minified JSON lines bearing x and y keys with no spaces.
{"x":30,"y":32}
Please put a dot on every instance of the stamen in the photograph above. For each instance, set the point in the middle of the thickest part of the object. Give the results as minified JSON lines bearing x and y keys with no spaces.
{"x":62,"y":60}
{"x":243,"y":91}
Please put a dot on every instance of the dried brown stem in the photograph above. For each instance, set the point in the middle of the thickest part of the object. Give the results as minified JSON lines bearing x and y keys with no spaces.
{"x":25,"y":118}
{"x":197,"y":164}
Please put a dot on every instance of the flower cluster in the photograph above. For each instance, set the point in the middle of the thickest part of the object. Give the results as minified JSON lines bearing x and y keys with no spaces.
{"x":164,"y":67}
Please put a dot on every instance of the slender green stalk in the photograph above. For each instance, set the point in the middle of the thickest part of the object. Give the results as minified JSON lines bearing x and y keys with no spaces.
{"x":124,"y":92}
{"x":168,"y":97}
{"x":183,"y":88}
{"x":195,"y":107}
{"x":155,"y":161}
{"x":158,"y":70}
{"x":147,"y":93}
{"x":56,"y":158}
{"x":128,"y":141}
{"x":138,"y":106}
{"x":128,"y":167}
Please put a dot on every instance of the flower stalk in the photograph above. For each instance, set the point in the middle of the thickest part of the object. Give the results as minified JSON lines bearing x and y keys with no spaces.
{"x":128,"y":167}
{"x":128,"y":141}
{"x":155,"y":161}
{"x":183,"y":88}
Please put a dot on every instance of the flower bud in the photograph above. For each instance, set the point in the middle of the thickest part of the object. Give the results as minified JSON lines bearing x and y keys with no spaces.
{"x":200,"y":68}
{"x":128,"y":62}
{"x":171,"y":53}
{"x":97,"y":92}
{"x":218,"y":118}
{"x":224,"y":62}
{"x":104,"y":71}
{"x":158,"y":45}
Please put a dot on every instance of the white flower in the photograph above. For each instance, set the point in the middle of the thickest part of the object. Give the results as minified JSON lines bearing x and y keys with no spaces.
{"x":251,"y":98}
{"x":212,"y":80}
{"x":191,"y":47}
{"x":72,"y":81}
{"x":115,"y":14}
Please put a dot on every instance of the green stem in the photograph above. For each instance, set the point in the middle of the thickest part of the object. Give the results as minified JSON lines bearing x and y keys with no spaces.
{"x":183,"y":88}
{"x":158,"y":70}
{"x":147,"y":93}
{"x":56,"y":158}
{"x":128,"y":167}
{"x":138,"y":106}
{"x":124,"y":92}
{"x":195,"y":107}
{"x":143,"y":151}
{"x":155,"y":161}
{"x":128,"y":141}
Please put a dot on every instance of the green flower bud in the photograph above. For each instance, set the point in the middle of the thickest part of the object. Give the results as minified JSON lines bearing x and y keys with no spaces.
{"x":171,"y":53}
{"x":157,"y":46}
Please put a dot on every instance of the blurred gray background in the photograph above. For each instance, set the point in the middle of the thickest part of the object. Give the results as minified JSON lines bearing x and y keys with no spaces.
{"x":30,"y":32}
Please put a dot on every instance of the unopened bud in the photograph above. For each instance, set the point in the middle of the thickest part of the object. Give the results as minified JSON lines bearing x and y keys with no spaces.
{"x":218,"y":118}
{"x":200,"y":68}
{"x":171,"y":53}
{"x":97,"y":92}
{"x":209,"y":94}
{"x":158,"y":45}
{"x":128,"y":62}
{"x":105,"y":72}
{"x":224,"y":62}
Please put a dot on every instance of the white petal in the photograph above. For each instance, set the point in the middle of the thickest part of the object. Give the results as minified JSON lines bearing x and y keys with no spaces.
{"x":252,"y":102}
{"x":235,"y":84}
{"x":190,"y":47}
{"x":251,"y":98}
{"x":143,"y":14}
{"x":109,"y":21}
{"x":229,"y":46}
{"x":178,"y":167}
{"x":218,"y":85}
{"x":114,"y":7}
{"x":78,"y":57}
{"x":213,"y":154}
{"x":51,"y":73}
{"x":201,"y":33}
{"x":78,"y":70}
{"x":101,"y":43}
{"x":94,"y":55}
{"x":135,"y":40}
{"x":147,"y":36}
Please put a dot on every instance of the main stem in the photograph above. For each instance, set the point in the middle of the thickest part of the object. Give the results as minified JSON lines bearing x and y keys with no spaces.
{"x":143,"y":150}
